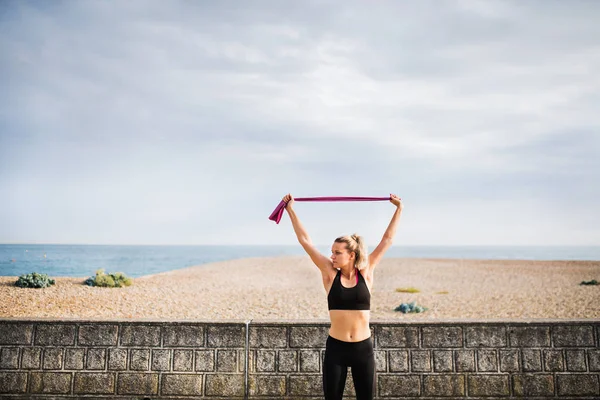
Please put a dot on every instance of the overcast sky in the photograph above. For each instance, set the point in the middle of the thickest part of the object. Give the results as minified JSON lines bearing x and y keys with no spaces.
{"x":185,"y":122}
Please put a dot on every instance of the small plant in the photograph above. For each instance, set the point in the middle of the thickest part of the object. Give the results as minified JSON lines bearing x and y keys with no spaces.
{"x":115,"y":279}
{"x":408,"y":290}
{"x":410,"y":308}
{"x":34,"y":280}
{"x":442,"y":292}
{"x":593,"y":282}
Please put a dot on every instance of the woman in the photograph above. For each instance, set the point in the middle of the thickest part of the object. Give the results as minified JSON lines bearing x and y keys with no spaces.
{"x":348,"y":279}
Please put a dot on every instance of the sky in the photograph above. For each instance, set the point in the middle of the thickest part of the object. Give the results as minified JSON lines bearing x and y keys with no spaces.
{"x":186,"y":122}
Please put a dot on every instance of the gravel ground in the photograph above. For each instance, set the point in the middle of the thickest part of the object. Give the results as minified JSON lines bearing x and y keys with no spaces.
{"x":290,"y":288}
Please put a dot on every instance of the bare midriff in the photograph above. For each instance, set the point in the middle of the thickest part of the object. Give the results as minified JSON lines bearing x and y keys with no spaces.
{"x":349,"y":325}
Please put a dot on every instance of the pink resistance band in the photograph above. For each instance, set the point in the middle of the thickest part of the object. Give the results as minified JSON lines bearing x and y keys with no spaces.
{"x":278,"y":212}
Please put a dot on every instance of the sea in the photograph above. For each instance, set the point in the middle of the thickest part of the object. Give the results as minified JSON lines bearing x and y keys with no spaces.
{"x":139,"y":260}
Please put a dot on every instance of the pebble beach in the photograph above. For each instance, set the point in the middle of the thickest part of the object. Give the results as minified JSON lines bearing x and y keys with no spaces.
{"x":290,"y":288}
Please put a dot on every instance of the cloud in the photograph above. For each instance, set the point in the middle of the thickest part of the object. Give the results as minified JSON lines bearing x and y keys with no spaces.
{"x":185,"y":108}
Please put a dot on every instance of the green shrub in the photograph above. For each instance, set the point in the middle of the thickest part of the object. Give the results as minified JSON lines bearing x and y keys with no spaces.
{"x":410,"y":308}
{"x":34,"y":280}
{"x":115,"y":279}
{"x":593,"y":282}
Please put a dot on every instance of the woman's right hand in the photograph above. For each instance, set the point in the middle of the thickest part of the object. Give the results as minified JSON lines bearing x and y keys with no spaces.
{"x":289,"y":200}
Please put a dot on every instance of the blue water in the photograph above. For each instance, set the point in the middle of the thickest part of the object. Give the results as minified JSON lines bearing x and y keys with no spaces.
{"x":135,"y":261}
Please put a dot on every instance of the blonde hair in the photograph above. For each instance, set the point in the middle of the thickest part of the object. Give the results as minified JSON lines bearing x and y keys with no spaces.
{"x":356,"y":244}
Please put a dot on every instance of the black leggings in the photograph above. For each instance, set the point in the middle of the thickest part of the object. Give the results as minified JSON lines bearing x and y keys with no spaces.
{"x":340,"y":355}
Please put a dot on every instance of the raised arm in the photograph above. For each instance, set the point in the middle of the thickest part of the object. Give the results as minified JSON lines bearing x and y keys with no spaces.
{"x":388,"y":236}
{"x":322,"y":262}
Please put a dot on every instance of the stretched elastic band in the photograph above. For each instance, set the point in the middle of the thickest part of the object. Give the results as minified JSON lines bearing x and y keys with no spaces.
{"x":278,"y":212}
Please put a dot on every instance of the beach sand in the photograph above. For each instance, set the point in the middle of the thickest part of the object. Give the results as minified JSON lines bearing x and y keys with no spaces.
{"x":290,"y":288}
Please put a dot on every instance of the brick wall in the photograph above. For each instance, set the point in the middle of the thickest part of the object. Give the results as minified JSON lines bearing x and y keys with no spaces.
{"x":44,"y":359}
{"x":133,"y":360}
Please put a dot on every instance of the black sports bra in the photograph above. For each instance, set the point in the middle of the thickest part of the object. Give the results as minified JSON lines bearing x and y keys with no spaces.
{"x":354,"y":298}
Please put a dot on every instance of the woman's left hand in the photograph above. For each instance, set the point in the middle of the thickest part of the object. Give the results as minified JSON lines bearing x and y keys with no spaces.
{"x":397,"y":201}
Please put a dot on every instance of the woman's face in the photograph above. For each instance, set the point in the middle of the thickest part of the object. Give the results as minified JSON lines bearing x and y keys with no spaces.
{"x":340,"y":255}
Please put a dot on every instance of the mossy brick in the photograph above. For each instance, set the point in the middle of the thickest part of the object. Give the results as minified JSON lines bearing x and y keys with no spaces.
{"x":398,"y":385}
{"x":464,"y":360}
{"x":94,"y":383}
{"x":74,"y":358}
{"x":287,"y":361}
{"x":96,"y":359}
{"x":420,"y":361}
{"x":205,"y":360}
{"x":31,"y":357}
{"x":305,"y":385}
{"x":183,"y":336}
{"x":268,"y":337}
{"x":16,"y":333}
{"x":140,"y":335}
{"x":227,"y":336}
{"x":577,"y":385}
{"x":98,"y":335}
{"x":485,"y":336}
{"x":13,"y":382}
{"x":444,"y":385}
{"x":139,"y":359}
{"x":576,"y":360}
{"x":531,"y":360}
{"x":529,"y":336}
{"x":241,"y":357}
{"x":181,"y":385}
{"x":487,"y":361}
{"x":161,"y":360}
{"x":117,"y":359}
{"x":380,"y":360}
{"x":264,"y":385}
{"x":50,"y":382}
{"x":251,"y":362}
{"x":265,"y":360}
{"x":53,"y":358}
{"x":594,"y":360}
{"x":349,"y":390}
{"x":308,"y":336}
{"x":226,"y":360}
{"x":396,"y":336}
{"x":573,"y":336}
{"x":442,"y":360}
{"x":9,"y":358}
{"x":310,"y":361}
{"x":533,"y":385}
{"x":509,"y":361}
{"x":225,"y":385}
{"x":398,"y":360}
{"x":183,"y":360}
{"x":137,"y":383}
{"x":442,"y":336}
{"x":488,"y":385}
{"x":554,"y":360}
{"x":55,"y":335}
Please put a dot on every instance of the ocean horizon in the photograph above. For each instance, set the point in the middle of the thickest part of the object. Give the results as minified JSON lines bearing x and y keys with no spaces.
{"x":61,"y":260}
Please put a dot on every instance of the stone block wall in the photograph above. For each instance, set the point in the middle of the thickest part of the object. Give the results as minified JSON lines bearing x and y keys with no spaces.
{"x":53,"y":359}
{"x":41,"y":359}
{"x":467,"y":360}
